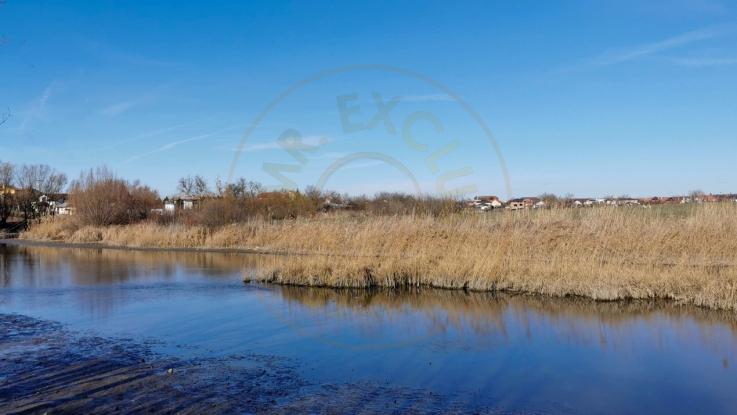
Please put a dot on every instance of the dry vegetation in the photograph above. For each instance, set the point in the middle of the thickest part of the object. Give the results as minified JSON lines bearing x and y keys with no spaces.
{"x":687,"y":254}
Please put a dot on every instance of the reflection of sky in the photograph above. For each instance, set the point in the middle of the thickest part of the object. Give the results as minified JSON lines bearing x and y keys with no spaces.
{"x":520,"y":352}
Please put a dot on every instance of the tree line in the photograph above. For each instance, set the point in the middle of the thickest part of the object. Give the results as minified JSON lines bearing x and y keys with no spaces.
{"x":100,"y":198}
{"x":21,"y":186}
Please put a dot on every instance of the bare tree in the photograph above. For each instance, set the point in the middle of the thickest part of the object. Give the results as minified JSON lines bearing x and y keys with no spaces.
{"x":6,"y":175}
{"x":34,"y":180}
{"x":7,"y":196}
{"x":193,"y":186}
{"x":243,"y":188}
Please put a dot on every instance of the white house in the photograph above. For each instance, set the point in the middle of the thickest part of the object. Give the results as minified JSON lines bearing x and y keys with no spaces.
{"x":63,"y":209}
{"x":486,"y":203}
{"x":496,"y":204}
{"x":169,"y":206}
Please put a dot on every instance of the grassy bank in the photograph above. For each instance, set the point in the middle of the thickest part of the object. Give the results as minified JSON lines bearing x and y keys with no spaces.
{"x":687,"y":254}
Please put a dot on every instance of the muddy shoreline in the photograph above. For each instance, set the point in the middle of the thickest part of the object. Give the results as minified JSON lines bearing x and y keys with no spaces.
{"x":45,"y":367}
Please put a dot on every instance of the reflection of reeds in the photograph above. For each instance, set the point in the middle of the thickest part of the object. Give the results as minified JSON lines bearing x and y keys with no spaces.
{"x":485,"y":305}
{"x":686,"y":254}
{"x":577,"y":319}
{"x":93,"y":266}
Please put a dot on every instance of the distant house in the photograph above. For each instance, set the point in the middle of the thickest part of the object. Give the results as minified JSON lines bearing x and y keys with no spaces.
{"x":48,"y":202}
{"x":515,"y":205}
{"x":486,"y":203}
{"x":329,"y":205}
{"x":188,"y":202}
{"x":183,"y":202}
{"x":486,"y":199}
{"x":170,"y":205}
{"x":522,"y":203}
{"x":710,"y":199}
{"x":63,"y":209}
{"x":7,"y":190}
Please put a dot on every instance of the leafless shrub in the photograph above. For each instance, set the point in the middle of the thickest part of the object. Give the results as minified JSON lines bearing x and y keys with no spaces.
{"x":101,"y":199}
{"x":404,"y":204}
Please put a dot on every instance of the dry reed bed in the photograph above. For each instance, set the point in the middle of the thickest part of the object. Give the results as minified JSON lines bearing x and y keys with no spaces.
{"x":685,"y":254}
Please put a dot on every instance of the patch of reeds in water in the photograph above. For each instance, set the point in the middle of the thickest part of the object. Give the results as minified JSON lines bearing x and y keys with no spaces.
{"x":688,"y":254}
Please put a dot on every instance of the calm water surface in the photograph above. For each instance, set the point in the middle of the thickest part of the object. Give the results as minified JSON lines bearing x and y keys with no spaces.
{"x":517,"y":353}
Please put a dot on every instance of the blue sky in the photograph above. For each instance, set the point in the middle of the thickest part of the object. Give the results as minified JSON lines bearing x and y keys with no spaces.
{"x":590,"y":98}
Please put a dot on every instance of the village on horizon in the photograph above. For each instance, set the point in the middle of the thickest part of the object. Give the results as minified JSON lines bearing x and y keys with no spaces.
{"x":57,"y":203}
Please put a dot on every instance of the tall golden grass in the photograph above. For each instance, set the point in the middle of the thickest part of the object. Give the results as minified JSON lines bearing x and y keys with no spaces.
{"x":688,"y":254}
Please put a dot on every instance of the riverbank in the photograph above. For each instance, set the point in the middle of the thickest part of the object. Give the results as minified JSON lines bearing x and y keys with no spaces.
{"x":686,"y":254}
{"x":46,"y":368}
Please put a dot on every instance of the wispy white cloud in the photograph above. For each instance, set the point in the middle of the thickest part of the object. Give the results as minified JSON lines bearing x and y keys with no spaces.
{"x":702,"y":62}
{"x":37,"y":107}
{"x":648,"y":49}
{"x":111,"y":53}
{"x":120,"y":107}
{"x":152,"y":133}
{"x":173,"y":144}
{"x":306,"y":143}
{"x":330,"y":155}
{"x":5,"y":116}
{"x":150,"y":94}
{"x":682,"y":7}
{"x":426,"y":98}
{"x":705,"y":6}
{"x":363,"y":165}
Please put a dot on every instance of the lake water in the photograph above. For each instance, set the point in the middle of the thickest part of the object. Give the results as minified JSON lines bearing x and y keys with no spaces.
{"x":500,"y":352}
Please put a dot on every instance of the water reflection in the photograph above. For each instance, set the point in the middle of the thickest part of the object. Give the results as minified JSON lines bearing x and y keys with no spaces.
{"x":101,"y":280}
{"x":47,"y":266}
{"x":499,"y":317}
{"x":516,"y":351}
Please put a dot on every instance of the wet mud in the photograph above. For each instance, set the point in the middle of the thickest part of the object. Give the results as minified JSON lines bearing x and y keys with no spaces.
{"x":45,"y":368}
